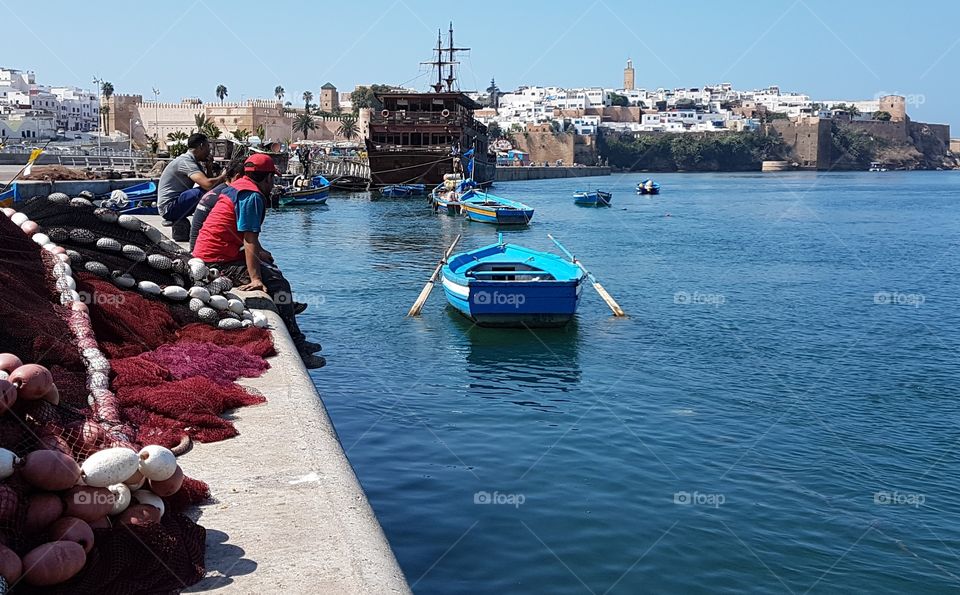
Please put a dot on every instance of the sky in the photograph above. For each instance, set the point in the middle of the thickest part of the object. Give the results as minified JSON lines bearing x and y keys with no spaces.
{"x":827,"y":49}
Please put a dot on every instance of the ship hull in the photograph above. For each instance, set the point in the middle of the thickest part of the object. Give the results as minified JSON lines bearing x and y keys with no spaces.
{"x":420,"y":167}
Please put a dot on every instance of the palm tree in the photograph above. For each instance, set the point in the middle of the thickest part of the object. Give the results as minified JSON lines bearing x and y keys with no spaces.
{"x":241,"y":134}
{"x":348,"y":128}
{"x":201,"y":122}
{"x":177,"y":143}
{"x":262,"y":133}
{"x":279,"y":92}
{"x":307,"y":98}
{"x":211,"y":130}
{"x":304,"y":124}
{"x":105,"y":118}
{"x":221,"y":92}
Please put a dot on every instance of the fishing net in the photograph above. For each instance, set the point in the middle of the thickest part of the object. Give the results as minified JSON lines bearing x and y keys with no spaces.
{"x":171,"y":378}
{"x":222,"y":365}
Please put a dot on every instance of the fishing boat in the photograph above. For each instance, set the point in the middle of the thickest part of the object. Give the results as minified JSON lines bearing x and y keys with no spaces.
{"x":139,"y":199}
{"x":418,"y":137}
{"x":445,"y":198}
{"x":314,"y":191}
{"x":488,"y":208}
{"x":648,"y":187}
{"x":596,"y":198}
{"x":9,"y":196}
{"x":507,"y":285}
{"x":403,"y":190}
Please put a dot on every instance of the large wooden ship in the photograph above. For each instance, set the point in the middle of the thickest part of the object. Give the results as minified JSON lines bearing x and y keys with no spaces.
{"x":416,"y":138}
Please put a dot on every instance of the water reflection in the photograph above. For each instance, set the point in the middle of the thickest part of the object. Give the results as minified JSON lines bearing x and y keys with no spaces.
{"x":537,"y":368}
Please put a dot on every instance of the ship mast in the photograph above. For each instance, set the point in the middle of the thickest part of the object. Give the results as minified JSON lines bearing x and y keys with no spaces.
{"x":449,"y":62}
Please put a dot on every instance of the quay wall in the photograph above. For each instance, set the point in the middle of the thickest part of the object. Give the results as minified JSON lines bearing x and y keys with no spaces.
{"x":514,"y":174}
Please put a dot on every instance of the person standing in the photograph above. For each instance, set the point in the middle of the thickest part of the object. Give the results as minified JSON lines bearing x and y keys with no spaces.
{"x":175,"y":202}
{"x":230,"y":241}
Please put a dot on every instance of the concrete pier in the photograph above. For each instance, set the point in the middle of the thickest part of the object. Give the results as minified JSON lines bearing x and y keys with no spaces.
{"x":288,"y":514}
{"x":513,"y":174}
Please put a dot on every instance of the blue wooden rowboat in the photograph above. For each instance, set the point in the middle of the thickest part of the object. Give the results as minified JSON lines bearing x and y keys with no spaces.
{"x":488,"y":208}
{"x":139,"y":199}
{"x":506,"y":285}
{"x":596,"y":198}
{"x":403,"y":190}
{"x":9,"y":196}
{"x":316,"y":193}
{"x":648,"y":187}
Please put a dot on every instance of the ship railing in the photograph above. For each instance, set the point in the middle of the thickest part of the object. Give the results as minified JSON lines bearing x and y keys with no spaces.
{"x":432,"y":119}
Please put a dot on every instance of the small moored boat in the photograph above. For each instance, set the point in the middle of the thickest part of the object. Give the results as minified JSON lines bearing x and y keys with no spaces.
{"x":648,"y":187}
{"x":596,"y":198}
{"x":445,"y":198}
{"x":314,"y":191}
{"x":139,"y":199}
{"x":9,"y":196}
{"x":512,"y":286}
{"x":488,"y":208}
{"x":403,"y":190}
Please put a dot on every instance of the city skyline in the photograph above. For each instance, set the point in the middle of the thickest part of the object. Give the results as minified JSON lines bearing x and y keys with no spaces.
{"x":860,"y":54}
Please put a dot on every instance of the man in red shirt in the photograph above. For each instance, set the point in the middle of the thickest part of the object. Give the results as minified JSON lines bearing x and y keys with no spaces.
{"x":230,"y":241}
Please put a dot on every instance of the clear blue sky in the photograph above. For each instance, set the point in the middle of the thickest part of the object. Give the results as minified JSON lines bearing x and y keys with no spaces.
{"x":828,"y":49}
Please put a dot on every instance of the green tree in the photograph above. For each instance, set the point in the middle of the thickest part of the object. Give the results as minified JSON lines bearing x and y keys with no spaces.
{"x":882,"y":116}
{"x":303,"y":124}
{"x":367,"y":97}
{"x":105,"y":118}
{"x":212,"y":130}
{"x":200,"y":121}
{"x":221,"y":92}
{"x":619,"y":100}
{"x":493,"y":130}
{"x":279,"y":92}
{"x":307,"y":98}
{"x":241,"y":134}
{"x":107,"y":89}
{"x":348,"y":128}
{"x":262,"y":133}
{"x":177,"y":143}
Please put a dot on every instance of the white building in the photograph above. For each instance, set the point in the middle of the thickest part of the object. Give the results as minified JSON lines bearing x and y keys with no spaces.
{"x":32,"y":111}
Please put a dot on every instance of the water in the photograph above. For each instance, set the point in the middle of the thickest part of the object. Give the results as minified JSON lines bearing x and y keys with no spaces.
{"x":759,"y":423}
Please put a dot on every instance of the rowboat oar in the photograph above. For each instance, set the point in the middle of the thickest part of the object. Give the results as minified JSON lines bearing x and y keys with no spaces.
{"x":617,"y":310}
{"x":425,"y":292}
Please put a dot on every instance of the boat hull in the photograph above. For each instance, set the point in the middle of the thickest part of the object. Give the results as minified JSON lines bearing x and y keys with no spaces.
{"x":395,"y":167}
{"x":316,"y":196}
{"x":496,"y":215}
{"x":592,"y":199}
{"x":514,"y":305}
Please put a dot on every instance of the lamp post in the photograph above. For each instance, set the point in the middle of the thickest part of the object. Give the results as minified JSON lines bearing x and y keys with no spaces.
{"x":156,"y":113}
{"x":99,"y":83}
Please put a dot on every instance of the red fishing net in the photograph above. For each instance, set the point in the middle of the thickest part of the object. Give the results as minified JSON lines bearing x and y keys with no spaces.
{"x":170,"y":381}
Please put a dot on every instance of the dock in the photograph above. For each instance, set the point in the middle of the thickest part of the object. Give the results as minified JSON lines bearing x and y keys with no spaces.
{"x":514,"y":174}
{"x":287,"y":514}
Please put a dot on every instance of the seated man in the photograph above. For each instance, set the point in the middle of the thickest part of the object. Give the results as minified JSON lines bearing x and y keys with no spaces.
{"x":174,"y":202}
{"x":208,"y":199}
{"x":230,"y":241}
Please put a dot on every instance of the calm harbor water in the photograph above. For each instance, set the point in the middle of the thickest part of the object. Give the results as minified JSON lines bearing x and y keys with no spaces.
{"x":779,"y":413}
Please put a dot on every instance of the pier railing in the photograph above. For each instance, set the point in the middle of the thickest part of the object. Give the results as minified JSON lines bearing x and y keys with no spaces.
{"x":107,"y":162}
{"x":337,"y":167}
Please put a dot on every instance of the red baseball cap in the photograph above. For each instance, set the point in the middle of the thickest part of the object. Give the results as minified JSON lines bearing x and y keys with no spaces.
{"x":260,"y":162}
